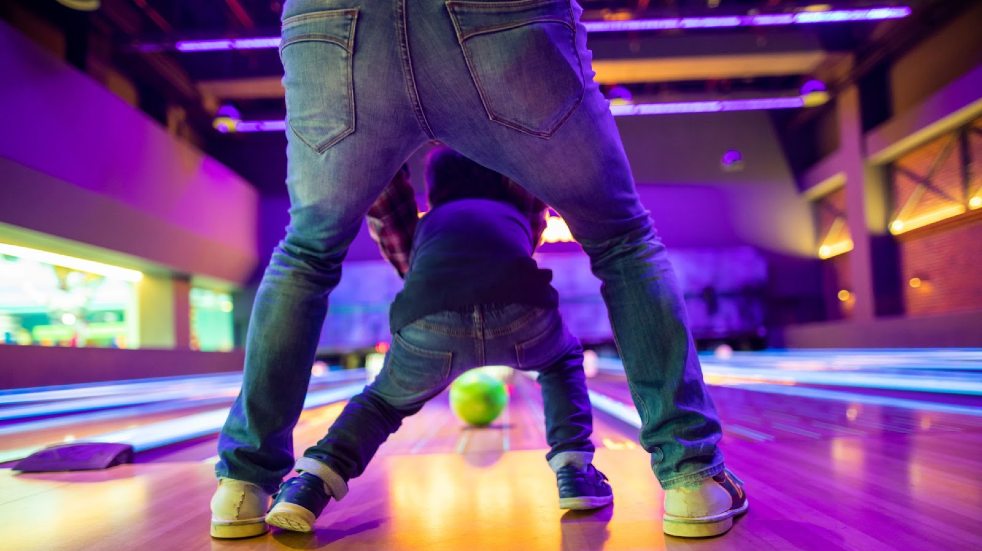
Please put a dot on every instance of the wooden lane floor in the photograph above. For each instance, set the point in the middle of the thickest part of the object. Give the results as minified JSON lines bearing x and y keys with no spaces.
{"x":891,"y":482}
{"x":859,"y":494}
{"x":520,"y":427}
{"x":435,"y":430}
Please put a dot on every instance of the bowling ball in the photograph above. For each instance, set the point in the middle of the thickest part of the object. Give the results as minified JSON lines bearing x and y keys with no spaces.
{"x":477,"y":398}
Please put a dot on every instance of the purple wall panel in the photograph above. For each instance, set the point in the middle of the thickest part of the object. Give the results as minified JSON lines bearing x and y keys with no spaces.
{"x":64,"y":129}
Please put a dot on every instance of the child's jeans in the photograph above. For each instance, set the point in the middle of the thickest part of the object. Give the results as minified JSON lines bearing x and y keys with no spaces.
{"x":429,"y":354}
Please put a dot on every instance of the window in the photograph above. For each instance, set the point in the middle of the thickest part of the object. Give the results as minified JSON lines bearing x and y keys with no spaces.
{"x":211,"y":320}
{"x":49,"y":299}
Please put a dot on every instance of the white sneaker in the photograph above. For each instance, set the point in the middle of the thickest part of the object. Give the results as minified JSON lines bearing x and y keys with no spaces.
{"x":706,"y":509}
{"x":238,"y":510}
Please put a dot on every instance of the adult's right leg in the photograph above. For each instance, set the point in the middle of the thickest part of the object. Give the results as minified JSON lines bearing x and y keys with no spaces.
{"x":350,"y":127}
{"x":558,"y":139}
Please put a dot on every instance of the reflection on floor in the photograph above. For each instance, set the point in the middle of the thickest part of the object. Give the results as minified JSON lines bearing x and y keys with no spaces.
{"x":827,"y":466}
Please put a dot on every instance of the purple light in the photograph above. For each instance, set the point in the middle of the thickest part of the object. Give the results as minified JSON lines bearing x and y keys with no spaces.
{"x":717,"y":106}
{"x":731,"y":157}
{"x":669,"y":108}
{"x":710,"y":22}
{"x":765,"y":20}
{"x":772,"y":19}
{"x":260,"y":126}
{"x":254,"y":43}
{"x":620,"y":94}
{"x":203,"y":45}
{"x":813,"y":85}
{"x":762,"y":20}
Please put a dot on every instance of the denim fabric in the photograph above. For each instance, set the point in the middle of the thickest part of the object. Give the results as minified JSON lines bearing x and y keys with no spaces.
{"x":427,"y":355}
{"x":510,"y":85}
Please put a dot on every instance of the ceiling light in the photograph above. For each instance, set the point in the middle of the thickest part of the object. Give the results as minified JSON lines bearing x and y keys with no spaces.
{"x":226,"y":119}
{"x":607,"y":26}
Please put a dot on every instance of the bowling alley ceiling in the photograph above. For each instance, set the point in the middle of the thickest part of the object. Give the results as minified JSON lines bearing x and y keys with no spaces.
{"x":141,"y":40}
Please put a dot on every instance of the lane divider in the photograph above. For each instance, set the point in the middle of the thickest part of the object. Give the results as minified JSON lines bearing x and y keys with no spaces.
{"x":887,"y":373}
{"x":615,"y":408}
{"x":117,"y":395}
{"x":854,"y":397}
{"x":156,"y":435}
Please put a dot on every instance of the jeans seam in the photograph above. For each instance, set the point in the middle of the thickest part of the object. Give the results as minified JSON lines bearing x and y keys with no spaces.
{"x":407,"y":69}
{"x":328,"y":475}
{"x":430,"y":354}
{"x":516,"y":325}
{"x":496,"y":6}
{"x":321,"y":14}
{"x":522,"y":347}
{"x":571,"y":457}
{"x":509,"y":26}
{"x":479,"y":329}
{"x":690,"y":478}
{"x":449,"y":331}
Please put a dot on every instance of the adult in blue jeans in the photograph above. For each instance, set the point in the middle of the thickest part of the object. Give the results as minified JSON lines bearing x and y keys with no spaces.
{"x":473,"y":296}
{"x":508,"y":84}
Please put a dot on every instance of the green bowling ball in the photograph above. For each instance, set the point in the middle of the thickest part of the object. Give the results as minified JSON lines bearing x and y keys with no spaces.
{"x":477,"y":398}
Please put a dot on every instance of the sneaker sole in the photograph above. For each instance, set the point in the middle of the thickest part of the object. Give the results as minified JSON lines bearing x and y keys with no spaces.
{"x":702,"y":527}
{"x":290,"y":516}
{"x":236,"y":529}
{"x":585,"y":502}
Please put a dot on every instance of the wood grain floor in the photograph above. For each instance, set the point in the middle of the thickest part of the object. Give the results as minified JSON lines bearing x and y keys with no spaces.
{"x":827,"y":476}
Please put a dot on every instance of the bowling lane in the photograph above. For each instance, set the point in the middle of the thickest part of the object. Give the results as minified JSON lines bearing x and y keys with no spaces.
{"x":435,"y":430}
{"x":310,"y":428}
{"x":872,"y":480}
{"x":520,"y":427}
{"x":157,"y":406}
{"x":956,"y":372}
{"x":767,"y":410}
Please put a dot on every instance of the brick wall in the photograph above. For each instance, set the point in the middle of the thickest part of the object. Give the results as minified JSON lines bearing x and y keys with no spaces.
{"x":837,"y":277}
{"x":947,"y":260}
{"x":944,"y":258}
{"x":830,"y":211}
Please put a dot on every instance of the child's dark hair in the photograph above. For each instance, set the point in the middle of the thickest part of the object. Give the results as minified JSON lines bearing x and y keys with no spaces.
{"x":450,"y":177}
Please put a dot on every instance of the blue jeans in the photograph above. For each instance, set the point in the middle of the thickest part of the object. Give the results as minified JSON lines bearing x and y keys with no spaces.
{"x":430,"y":353}
{"x":510,"y":85}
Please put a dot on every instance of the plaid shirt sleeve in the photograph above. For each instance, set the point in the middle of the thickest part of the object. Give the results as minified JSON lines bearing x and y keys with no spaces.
{"x":392,"y":221}
{"x":531,"y":207}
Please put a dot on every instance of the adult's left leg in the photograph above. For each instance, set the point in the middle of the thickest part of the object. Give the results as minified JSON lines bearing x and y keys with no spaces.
{"x":350,"y":127}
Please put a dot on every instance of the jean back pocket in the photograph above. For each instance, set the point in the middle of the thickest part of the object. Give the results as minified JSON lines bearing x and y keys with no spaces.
{"x":317,"y":51}
{"x":412,"y":373}
{"x":523,"y":60}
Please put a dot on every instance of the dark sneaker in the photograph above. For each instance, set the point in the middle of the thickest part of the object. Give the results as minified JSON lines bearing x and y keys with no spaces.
{"x":298,"y":503}
{"x":705,"y":509}
{"x":581,"y":489}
